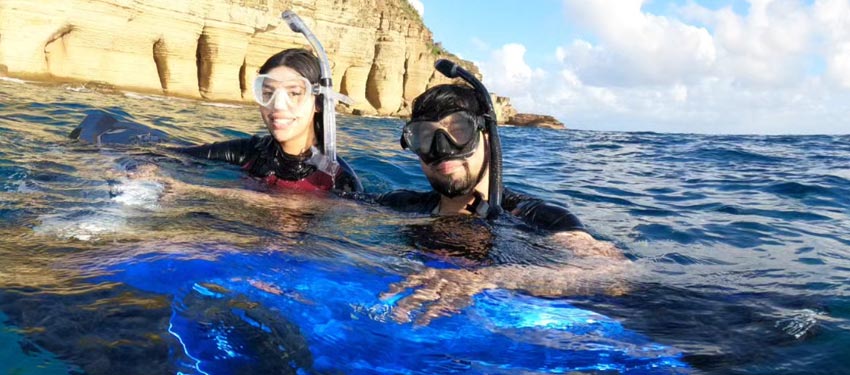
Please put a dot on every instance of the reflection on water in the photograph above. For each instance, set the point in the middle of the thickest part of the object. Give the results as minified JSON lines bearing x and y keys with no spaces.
{"x":459,"y":240}
{"x":743,"y":237}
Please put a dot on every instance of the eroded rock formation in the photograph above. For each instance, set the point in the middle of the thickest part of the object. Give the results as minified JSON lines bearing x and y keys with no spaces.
{"x":382,"y":54}
{"x":527,"y":119}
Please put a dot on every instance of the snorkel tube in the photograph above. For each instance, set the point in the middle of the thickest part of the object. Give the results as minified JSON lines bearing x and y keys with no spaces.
{"x":325,"y":161}
{"x":453,"y":70}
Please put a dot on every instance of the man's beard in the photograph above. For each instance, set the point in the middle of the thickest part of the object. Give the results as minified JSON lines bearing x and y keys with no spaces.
{"x":454,"y":187}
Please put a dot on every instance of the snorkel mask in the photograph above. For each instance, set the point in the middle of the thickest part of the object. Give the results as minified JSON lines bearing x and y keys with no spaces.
{"x":291,"y":94}
{"x":324,"y":161}
{"x":454,"y":136}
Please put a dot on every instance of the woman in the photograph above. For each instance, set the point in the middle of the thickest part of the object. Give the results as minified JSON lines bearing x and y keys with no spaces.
{"x":286,"y":90}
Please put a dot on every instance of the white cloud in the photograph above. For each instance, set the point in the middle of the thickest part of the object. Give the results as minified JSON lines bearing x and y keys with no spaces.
{"x":783,"y":67}
{"x":768,"y":46}
{"x":506,"y":73}
{"x":417,"y":4}
{"x":636,"y":48}
{"x":832,"y":18}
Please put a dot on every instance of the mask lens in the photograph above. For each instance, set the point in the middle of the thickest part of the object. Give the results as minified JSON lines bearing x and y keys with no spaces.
{"x":290,"y":94}
{"x":459,"y":126}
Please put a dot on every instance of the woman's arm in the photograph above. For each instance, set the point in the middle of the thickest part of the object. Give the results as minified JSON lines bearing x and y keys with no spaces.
{"x":151,"y":172}
{"x":237,"y":151}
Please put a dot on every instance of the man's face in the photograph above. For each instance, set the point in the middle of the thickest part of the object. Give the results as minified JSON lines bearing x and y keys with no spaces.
{"x":456,"y":176}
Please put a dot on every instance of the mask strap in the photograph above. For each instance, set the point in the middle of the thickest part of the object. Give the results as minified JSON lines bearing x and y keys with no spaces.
{"x":478,"y":206}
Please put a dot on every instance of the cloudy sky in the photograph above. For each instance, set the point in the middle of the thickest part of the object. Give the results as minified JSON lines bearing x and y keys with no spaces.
{"x":693,"y":66}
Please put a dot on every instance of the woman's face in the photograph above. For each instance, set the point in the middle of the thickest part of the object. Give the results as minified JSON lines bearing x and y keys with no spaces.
{"x":289,"y":115}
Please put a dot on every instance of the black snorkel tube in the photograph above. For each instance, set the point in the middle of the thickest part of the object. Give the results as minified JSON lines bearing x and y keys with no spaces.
{"x":325,"y":161}
{"x":453,"y":70}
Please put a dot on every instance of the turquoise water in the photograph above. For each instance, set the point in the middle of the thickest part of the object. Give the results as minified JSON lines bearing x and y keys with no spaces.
{"x":742,"y":239}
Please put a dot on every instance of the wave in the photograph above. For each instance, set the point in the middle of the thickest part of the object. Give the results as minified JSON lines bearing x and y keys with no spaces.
{"x":727,"y":155}
{"x":798,"y":190}
{"x":13,"y":80}
{"x":222,"y":105}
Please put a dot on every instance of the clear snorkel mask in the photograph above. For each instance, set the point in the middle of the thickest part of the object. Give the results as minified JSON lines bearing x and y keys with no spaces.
{"x":324,"y":161}
{"x":276,"y":93}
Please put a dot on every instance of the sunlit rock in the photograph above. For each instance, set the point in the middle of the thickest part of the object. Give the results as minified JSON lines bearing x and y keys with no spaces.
{"x":381,"y":53}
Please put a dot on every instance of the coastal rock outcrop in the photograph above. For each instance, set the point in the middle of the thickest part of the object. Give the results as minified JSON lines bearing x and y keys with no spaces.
{"x":527,"y":119}
{"x":382,"y":55}
{"x":504,"y":110}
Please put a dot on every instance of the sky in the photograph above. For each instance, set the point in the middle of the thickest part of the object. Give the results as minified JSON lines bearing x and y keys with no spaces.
{"x":671,"y":66}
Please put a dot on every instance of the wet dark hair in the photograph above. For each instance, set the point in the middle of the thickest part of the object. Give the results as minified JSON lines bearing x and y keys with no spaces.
{"x":297,"y":59}
{"x":442,"y":100}
{"x":307,"y":65}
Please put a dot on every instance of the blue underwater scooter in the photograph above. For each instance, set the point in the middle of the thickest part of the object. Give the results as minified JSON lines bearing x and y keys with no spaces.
{"x":228,"y":314}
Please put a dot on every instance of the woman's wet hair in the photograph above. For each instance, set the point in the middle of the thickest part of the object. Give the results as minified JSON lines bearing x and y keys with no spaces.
{"x":442,"y":100}
{"x":297,"y":59}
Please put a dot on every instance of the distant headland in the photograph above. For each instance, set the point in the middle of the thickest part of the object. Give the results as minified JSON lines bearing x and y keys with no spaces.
{"x":382,"y":54}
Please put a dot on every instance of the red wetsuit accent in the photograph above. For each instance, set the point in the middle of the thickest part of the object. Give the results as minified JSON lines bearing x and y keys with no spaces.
{"x":315,"y":181}
{"x":262,"y":158}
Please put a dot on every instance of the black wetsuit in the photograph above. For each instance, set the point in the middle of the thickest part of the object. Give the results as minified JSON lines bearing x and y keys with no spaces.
{"x":535,"y":212}
{"x":262,"y":157}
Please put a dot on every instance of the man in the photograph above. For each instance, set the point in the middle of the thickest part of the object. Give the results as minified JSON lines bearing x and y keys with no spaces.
{"x":448,"y":135}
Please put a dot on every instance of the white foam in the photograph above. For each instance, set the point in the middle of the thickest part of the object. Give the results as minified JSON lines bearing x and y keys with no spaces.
{"x":13,"y":80}
{"x":80,"y":88}
{"x":17,"y":183}
{"x":156,"y":98}
{"x":222,"y":105}
{"x":111,"y":218}
{"x":146,"y":97}
{"x":86,"y":228}
{"x":800,"y":323}
{"x":138,"y":193}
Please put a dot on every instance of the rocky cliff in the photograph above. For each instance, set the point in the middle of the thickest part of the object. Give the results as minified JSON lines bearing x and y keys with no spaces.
{"x":382,"y":55}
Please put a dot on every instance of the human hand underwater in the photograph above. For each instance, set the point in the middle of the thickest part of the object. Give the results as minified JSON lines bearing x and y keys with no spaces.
{"x":443,"y":292}
{"x":581,"y":244}
{"x":438,"y":293}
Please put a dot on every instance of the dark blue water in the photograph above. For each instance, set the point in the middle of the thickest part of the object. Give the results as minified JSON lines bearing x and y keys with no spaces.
{"x":742,"y":240}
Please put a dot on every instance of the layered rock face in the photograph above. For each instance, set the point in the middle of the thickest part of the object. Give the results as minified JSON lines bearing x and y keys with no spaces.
{"x":381,"y":53}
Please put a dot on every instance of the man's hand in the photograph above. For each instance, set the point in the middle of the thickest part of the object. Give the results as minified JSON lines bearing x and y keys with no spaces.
{"x":583,"y":245}
{"x":441,"y":292}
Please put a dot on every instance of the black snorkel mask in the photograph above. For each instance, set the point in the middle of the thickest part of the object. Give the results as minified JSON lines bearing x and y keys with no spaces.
{"x":444,"y":148}
{"x":494,"y":205}
{"x":454,"y":136}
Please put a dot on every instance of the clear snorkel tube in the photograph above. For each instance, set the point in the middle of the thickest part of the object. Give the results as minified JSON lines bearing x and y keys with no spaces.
{"x":326,"y":161}
{"x":452,"y":70}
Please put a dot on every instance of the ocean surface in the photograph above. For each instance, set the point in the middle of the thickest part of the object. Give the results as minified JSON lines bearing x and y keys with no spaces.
{"x":742,"y":240}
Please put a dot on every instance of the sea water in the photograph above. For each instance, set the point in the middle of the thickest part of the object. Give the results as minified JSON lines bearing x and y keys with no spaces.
{"x":742,"y":239}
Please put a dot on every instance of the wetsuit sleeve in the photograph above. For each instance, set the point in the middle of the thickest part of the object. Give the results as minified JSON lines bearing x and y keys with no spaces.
{"x":346,"y":180}
{"x":409,"y":200}
{"x":539,"y":213}
{"x":237,"y":151}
